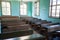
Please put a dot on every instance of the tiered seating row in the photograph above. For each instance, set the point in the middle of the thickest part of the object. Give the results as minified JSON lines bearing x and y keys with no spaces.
{"x":12,"y":26}
{"x":42,"y":26}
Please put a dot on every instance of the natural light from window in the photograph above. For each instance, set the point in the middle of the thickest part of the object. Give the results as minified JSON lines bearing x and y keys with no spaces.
{"x":23,"y":8}
{"x":54,"y":10}
{"x":36,"y":9}
{"x":6,"y":8}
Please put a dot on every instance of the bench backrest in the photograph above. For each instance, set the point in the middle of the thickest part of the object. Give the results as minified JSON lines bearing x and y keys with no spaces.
{"x":7,"y":18}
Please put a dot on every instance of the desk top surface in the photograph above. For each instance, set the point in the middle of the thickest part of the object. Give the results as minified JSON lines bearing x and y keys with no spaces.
{"x":52,"y":26}
{"x":21,"y":28}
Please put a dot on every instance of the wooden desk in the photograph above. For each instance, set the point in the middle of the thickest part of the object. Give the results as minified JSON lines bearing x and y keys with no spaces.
{"x":48,"y":30}
{"x":52,"y":28}
{"x":13,"y":34}
{"x":16,"y":32}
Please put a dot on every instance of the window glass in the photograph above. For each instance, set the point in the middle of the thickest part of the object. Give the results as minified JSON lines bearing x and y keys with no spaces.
{"x":58,"y":1}
{"x":54,"y":10}
{"x":23,"y":9}
{"x":8,"y":4}
{"x":36,"y":8}
{"x":54,"y":2}
{"x":6,"y":8}
{"x":3,"y":4}
{"x":4,"y":11}
{"x":53,"y":7}
{"x":8,"y":11}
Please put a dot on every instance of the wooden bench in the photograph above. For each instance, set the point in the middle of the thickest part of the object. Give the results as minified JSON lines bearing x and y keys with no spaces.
{"x":12,"y":27}
{"x":11,"y":20}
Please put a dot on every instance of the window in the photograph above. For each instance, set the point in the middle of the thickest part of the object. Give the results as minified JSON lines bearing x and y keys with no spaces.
{"x":54,"y":10}
{"x":6,"y":8}
{"x":36,"y":9}
{"x":23,"y":8}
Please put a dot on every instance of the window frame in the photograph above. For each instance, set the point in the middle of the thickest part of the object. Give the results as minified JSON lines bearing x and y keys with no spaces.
{"x":33,"y":10}
{"x":50,"y":6}
{"x":26,"y":9}
{"x":37,"y":8}
{"x":6,"y":8}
